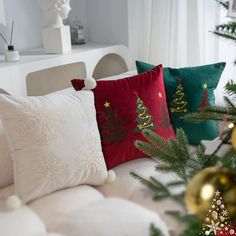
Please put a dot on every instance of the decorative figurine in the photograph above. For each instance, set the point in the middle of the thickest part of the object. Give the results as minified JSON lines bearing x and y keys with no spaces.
{"x":55,"y":11}
{"x":56,"y":35}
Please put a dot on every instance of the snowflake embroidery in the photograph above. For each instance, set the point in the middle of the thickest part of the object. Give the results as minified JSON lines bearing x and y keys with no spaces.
{"x":50,"y":169}
{"x":42,"y":123}
{"x":88,"y":162}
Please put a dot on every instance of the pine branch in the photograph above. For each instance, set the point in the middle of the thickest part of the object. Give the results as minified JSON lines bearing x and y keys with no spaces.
{"x":146,"y":148}
{"x":192,"y":223}
{"x":216,"y":113}
{"x":144,"y":181}
{"x":230,"y":106}
{"x":229,"y":160}
{"x":230,"y":88}
{"x":175,"y":183}
{"x":155,"y":231}
{"x":225,"y":4}
{"x":157,"y":141}
{"x":158,"y":148}
{"x":173,"y":155}
{"x":161,"y":191}
{"x":226,"y":31}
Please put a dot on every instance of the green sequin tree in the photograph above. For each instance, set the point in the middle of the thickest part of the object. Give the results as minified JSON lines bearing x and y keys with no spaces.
{"x":179,"y":104}
{"x":144,"y":119}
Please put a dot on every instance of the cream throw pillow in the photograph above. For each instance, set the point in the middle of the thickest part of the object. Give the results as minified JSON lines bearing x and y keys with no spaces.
{"x":55,"y":142}
{"x":6,"y":165}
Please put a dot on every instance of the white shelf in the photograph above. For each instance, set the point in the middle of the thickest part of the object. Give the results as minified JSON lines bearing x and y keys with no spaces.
{"x":36,"y":55}
{"x":13,"y":75}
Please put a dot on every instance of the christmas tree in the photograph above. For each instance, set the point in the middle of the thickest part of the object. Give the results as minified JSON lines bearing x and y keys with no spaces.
{"x":217,"y":222}
{"x":205,"y":99}
{"x":144,"y":119}
{"x":179,"y":104}
{"x":113,"y":129}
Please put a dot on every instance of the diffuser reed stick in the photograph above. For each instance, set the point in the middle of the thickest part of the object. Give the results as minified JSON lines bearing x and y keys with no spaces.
{"x":11,"y":54}
{"x":4,"y":39}
{"x":12,"y":30}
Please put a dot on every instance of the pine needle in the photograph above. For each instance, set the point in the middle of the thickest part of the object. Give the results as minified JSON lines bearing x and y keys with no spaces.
{"x":225,"y":4}
{"x":230,"y":88}
{"x":155,"y":231}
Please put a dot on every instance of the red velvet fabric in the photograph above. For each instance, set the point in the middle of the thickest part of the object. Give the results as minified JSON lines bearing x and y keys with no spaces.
{"x":117,"y":103}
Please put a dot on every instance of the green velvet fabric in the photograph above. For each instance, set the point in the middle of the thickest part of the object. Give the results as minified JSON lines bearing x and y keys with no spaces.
{"x":193,"y":80}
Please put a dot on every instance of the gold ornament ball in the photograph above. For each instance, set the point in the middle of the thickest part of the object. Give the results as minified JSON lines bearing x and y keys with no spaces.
{"x":233,"y":138}
{"x":201,"y":191}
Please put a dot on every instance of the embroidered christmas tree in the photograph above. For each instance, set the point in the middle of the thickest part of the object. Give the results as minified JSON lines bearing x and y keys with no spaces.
{"x":113,"y":129}
{"x":205,"y":99}
{"x":179,"y":104}
{"x":217,"y":221}
{"x":144,"y":119}
{"x":165,"y":121}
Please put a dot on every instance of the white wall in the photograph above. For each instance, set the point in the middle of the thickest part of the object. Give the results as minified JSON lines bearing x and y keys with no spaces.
{"x":108,"y":21}
{"x":27,"y":17}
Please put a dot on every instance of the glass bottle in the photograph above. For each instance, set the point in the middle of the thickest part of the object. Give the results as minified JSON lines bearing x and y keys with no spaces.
{"x":77,"y":32}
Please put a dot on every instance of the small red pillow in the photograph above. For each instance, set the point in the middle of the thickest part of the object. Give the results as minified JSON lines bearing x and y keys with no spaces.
{"x":124,"y":108}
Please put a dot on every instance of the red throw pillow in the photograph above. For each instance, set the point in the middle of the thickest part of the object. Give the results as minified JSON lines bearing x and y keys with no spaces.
{"x":124,"y":108}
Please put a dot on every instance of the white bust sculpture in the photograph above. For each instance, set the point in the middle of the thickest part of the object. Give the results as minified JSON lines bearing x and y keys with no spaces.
{"x":55,"y":11}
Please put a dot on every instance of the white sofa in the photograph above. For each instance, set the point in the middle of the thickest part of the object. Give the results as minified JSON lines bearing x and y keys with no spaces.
{"x":122,"y":208}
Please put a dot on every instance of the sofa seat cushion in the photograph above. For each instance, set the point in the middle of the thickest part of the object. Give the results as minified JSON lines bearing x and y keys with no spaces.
{"x":21,"y":222}
{"x":129,"y":188}
{"x":55,"y":208}
{"x":108,"y":217}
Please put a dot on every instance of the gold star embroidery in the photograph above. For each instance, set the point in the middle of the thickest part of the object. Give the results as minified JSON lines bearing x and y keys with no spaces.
{"x":106,"y":104}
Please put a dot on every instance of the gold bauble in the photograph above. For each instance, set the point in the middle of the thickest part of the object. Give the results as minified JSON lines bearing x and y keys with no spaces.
{"x":233,"y":138}
{"x":201,"y":191}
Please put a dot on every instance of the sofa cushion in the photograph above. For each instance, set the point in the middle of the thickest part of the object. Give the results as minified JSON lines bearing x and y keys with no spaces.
{"x":124,"y":108}
{"x":55,"y":142}
{"x":129,"y":188}
{"x":53,"y":209}
{"x":21,"y":222}
{"x":6,"y":163}
{"x":107,"y":217}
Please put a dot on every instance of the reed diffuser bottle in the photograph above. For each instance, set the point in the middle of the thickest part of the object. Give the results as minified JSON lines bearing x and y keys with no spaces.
{"x":11,"y":55}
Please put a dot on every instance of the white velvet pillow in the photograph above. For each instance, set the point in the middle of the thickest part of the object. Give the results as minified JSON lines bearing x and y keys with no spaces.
{"x":6,"y":164}
{"x":55,"y":142}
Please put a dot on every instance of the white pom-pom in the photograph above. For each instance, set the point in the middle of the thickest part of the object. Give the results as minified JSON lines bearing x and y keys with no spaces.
{"x":13,"y":203}
{"x":111,"y":177}
{"x":90,"y":83}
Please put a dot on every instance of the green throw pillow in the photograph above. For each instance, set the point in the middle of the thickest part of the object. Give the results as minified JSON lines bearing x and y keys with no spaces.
{"x":190,"y":90}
